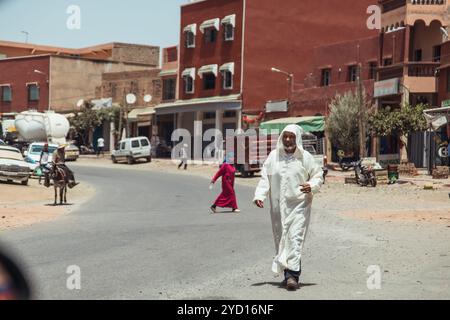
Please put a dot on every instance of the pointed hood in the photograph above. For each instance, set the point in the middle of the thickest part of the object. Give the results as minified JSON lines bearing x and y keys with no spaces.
{"x":298,"y":131}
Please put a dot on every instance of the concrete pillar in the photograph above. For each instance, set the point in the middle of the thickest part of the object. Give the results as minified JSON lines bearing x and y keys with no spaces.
{"x":179,"y":123}
{"x":198,"y":138}
{"x":112,"y":142}
{"x":239,"y":120}
{"x":219,"y":126}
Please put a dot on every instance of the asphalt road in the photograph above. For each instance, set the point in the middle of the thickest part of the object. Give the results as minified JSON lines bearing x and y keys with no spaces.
{"x":149,"y":235}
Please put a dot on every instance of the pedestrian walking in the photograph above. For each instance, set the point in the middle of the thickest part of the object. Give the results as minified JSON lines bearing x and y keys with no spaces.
{"x":184,"y":157}
{"x":227,"y":199}
{"x":290,"y":177}
{"x":100,"y":146}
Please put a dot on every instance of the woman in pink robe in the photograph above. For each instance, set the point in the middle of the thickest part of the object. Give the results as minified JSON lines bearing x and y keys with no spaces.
{"x":227,"y":199}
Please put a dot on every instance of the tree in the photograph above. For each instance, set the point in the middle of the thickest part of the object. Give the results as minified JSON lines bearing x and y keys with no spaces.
{"x":87,"y":120}
{"x":343,"y":123}
{"x":399,"y":122}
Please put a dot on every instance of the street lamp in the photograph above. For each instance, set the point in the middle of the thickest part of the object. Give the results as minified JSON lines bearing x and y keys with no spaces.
{"x":290,"y":77}
{"x":48,"y":83}
{"x":26,"y":35}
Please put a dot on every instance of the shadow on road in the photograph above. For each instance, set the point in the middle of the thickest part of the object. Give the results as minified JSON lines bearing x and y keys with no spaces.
{"x":56,"y":205}
{"x":280,"y":285}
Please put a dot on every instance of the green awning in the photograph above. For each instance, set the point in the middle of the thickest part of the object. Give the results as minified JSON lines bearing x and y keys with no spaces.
{"x":309,"y":124}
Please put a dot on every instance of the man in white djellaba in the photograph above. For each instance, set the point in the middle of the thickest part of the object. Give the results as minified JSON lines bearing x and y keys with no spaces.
{"x":289,"y":178}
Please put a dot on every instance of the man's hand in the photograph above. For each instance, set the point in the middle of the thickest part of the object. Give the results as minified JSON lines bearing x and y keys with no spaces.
{"x":306,"y":188}
{"x":259,"y":204}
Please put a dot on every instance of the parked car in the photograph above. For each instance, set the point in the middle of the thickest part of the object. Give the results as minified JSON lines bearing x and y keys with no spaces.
{"x":72,"y":152}
{"x":132,"y":149}
{"x":2,"y":143}
{"x":33,"y":154}
{"x":12,"y":166}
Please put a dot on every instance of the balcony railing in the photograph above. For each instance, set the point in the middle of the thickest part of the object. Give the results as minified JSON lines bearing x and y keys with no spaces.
{"x":390,"y":5}
{"x":427,"y":2}
{"x":422,"y":69}
{"x":411,"y":69}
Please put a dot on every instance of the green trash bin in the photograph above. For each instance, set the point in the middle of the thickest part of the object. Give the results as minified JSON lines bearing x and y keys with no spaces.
{"x":393,"y":173}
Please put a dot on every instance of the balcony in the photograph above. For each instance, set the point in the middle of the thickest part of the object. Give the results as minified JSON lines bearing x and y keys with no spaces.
{"x":411,"y":69}
{"x":422,"y":69}
{"x":418,"y":77}
{"x":407,"y":12}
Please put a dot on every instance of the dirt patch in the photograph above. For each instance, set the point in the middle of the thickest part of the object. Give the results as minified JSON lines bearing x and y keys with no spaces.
{"x":22,"y":206}
{"x":433,"y":216}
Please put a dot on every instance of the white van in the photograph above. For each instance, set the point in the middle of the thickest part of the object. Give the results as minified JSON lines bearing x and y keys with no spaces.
{"x":132,"y":149}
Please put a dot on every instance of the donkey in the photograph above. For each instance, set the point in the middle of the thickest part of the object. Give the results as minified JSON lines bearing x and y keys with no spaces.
{"x":60,"y":180}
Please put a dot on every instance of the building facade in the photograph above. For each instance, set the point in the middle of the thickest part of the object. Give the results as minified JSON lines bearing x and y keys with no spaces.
{"x":228,"y":48}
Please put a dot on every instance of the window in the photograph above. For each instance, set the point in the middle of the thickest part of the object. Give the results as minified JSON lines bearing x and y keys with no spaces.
{"x":229,"y":114}
{"x":188,"y":84}
{"x":169,"y":87}
{"x":326,"y":77}
{"x":352,"y":73}
{"x":373,"y":70}
{"x":418,"y":55}
{"x":135,"y":144}
{"x":227,"y":79}
{"x":33,"y":92}
{"x":6,"y":93}
{"x":436,"y":53}
{"x":122,"y":146}
{"x":229,"y":32}
{"x":210,"y":35}
{"x":387,"y":62}
{"x":190,"y":39}
{"x":209,"y":81}
{"x":209,"y":115}
{"x":144,"y":142}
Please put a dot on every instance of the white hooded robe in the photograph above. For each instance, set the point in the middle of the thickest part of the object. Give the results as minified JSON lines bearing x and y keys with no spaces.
{"x":281,"y":178}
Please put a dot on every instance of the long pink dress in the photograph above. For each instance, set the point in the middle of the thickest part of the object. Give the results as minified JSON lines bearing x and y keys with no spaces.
{"x":227,"y":199}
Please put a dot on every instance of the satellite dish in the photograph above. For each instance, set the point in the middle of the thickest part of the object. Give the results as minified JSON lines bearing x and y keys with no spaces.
{"x":148,"y":98}
{"x":131,"y":98}
{"x":80,"y":103}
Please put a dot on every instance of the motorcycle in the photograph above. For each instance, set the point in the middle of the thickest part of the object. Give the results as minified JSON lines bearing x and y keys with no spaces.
{"x":365,"y":175}
{"x":346,"y":161}
{"x":346,"y":165}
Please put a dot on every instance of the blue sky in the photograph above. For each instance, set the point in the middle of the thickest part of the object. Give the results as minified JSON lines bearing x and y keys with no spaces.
{"x":154,"y":22}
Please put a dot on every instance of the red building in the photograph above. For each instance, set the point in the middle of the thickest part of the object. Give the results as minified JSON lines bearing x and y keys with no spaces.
{"x":228,"y":48}
{"x":43,"y":77}
{"x":399,"y":65}
{"x":21,"y":88}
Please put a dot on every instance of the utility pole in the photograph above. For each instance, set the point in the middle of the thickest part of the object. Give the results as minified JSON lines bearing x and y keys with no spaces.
{"x":121,"y":116}
{"x":361,"y":115}
{"x":361,"y":109}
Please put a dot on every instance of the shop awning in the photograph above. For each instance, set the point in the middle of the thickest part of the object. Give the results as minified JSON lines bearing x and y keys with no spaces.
{"x":231,"y":19}
{"x":213,"y":23}
{"x":211,"y":104}
{"x":191,"y":28}
{"x":172,"y":72}
{"x":212,"y":68}
{"x":136,"y":114}
{"x":309,"y":124}
{"x":227,"y":67}
{"x":189,"y":72}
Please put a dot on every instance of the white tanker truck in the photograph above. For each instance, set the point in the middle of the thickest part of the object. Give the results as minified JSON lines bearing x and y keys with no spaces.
{"x":34,"y":126}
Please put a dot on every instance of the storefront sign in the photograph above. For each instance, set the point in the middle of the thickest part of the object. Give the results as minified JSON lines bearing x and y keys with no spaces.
{"x":445,"y":103}
{"x":276,"y":106}
{"x":386,"y":87}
